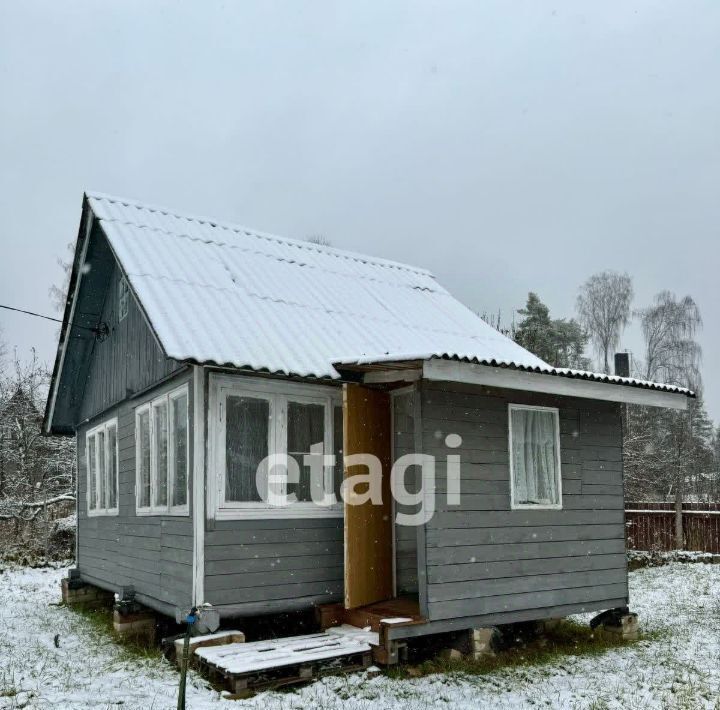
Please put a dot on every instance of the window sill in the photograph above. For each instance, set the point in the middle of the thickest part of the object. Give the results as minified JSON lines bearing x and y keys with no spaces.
{"x":268,"y":513}
{"x":103,"y":513}
{"x":162,"y":512}
{"x":519,"y":506}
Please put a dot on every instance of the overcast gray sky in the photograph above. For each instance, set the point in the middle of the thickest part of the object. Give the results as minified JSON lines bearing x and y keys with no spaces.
{"x":507,"y":146}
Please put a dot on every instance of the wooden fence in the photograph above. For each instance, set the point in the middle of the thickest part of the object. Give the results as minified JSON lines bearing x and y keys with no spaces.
{"x":651,"y":526}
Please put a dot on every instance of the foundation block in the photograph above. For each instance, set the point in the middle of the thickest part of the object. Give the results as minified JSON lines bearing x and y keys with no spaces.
{"x":77,"y":593}
{"x":137,"y":626}
{"x":626,"y":626}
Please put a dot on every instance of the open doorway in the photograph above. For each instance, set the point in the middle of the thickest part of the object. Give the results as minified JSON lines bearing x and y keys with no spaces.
{"x":380,"y":562}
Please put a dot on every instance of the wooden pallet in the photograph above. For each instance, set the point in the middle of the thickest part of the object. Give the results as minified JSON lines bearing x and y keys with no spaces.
{"x":260,"y":665}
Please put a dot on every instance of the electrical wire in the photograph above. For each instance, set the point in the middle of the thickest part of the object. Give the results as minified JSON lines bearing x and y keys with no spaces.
{"x":40,"y":315}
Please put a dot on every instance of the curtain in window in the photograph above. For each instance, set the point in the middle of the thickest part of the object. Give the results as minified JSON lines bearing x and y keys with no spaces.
{"x":112,"y":467}
{"x":246,"y":445}
{"x":102,"y":502}
{"x":305,"y":427}
{"x":179,"y":406}
{"x":144,"y":435}
{"x":535,"y":458}
{"x":92,"y":473}
{"x":160,"y":424}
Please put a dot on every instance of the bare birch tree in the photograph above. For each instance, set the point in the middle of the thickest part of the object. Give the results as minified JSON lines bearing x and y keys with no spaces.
{"x":666,"y":450}
{"x":603,"y":305}
{"x":672,"y":355}
{"x":58,"y":294}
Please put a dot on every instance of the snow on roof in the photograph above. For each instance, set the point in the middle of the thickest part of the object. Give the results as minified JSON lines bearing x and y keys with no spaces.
{"x":543,"y":369}
{"x":221,"y":293}
{"x":218,"y":293}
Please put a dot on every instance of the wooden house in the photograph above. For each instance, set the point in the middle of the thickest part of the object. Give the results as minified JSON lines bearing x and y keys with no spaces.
{"x":192,"y":349}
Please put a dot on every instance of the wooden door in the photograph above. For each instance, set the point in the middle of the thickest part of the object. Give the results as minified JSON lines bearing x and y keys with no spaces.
{"x":368,"y":527}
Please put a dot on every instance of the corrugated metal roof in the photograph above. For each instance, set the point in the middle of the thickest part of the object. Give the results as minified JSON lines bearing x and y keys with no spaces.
{"x":223,"y":294}
{"x":219,"y":293}
{"x":541,"y":369}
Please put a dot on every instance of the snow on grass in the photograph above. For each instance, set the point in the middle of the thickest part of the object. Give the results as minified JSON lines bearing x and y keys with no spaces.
{"x":88,"y":669}
{"x":677,"y":665}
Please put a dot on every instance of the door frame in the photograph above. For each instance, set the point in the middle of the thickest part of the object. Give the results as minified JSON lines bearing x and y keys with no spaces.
{"x":408,"y":389}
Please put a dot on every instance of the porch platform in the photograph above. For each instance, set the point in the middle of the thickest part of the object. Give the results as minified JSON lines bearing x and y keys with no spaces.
{"x":401,"y":611}
{"x":386,"y":619}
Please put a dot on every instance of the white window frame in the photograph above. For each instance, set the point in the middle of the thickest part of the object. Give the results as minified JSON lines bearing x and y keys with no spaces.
{"x":123,"y":298}
{"x":109,"y":424}
{"x":150,"y":407}
{"x":278,"y":394}
{"x":558,"y":473}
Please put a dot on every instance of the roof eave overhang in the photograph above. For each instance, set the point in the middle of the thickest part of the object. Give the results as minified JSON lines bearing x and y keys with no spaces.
{"x":86,"y":222}
{"x":547,"y":383}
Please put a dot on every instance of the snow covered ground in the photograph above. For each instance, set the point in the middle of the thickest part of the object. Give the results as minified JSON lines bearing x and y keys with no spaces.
{"x":679,"y":667}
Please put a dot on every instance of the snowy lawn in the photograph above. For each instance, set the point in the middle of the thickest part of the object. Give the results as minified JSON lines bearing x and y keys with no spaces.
{"x":676,"y":666}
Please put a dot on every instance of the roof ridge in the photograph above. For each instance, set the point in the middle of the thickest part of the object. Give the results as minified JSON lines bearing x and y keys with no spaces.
{"x":301,"y":244}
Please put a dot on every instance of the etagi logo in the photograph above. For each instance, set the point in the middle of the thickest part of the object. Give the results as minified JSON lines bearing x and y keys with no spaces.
{"x":276,"y":471}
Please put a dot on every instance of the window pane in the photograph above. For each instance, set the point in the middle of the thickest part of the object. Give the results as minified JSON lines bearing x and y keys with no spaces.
{"x":339,"y":472}
{"x":160,"y":443}
{"x":102,"y":502}
{"x":112,"y":467}
{"x":305,"y":427}
{"x":92,"y":473}
{"x":246,"y":445}
{"x":535,"y":457}
{"x":179,"y":407}
{"x":144,"y":463}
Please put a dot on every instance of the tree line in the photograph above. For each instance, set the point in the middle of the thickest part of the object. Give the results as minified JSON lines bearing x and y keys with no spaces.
{"x":37,"y":473}
{"x":669,"y":455}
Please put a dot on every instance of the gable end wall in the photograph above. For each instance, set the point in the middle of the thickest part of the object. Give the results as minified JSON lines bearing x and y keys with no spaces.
{"x":152,"y":553}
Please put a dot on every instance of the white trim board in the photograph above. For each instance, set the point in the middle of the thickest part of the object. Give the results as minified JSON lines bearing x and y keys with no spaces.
{"x":198,"y":485}
{"x":471,"y":373}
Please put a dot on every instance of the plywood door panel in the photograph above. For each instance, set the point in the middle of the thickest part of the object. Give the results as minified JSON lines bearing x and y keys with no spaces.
{"x":368,"y":527}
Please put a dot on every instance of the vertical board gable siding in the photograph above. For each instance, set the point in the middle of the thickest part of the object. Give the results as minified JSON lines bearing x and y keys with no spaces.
{"x":151,"y":553}
{"x":128,"y":361}
{"x":484,"y":558}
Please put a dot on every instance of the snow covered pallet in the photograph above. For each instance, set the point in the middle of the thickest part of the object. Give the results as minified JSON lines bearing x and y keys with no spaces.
{"x":259,"y":665}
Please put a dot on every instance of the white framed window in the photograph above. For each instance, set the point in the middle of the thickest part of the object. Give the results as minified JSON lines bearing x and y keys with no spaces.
{"x":123,"y":298}
{"x":251,"y":419}
{"x":534,"y":443}
{"x":162,"y":455}
{"x":101,"y":456}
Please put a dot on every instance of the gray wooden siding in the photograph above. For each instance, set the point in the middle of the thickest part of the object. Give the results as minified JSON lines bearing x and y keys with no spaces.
{"x":151,"y":553}
{"x":256,"y":566}
{"x":127,"y":361}
{"x":406,"y":579}
{"x":484,"y":559}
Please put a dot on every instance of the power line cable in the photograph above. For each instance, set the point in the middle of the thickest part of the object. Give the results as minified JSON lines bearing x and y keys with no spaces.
{"x":97,"y":330}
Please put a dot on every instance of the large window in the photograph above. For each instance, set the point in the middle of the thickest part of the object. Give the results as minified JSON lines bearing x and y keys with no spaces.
{"x":253,"y":420}
{"x":162,"y":459}
{"x":535,"y":480}
{"x":101,"y":456}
